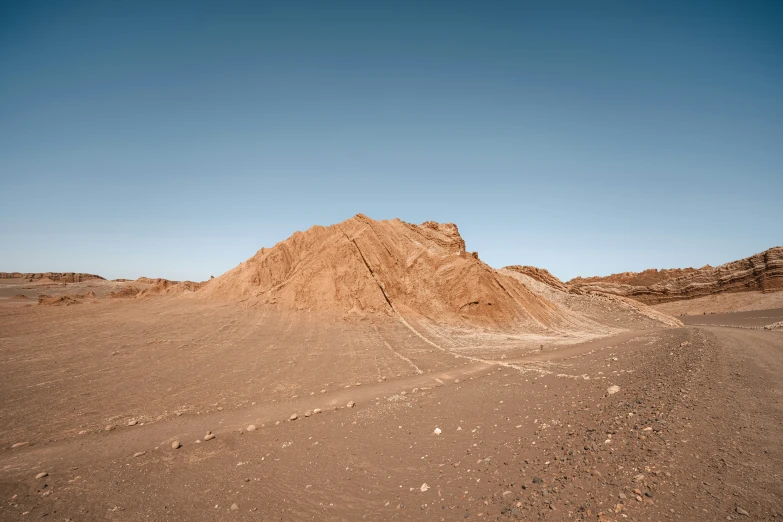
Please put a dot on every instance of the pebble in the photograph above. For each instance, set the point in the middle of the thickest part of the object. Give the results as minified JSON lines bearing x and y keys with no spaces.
{"x":424,"y":487}
{"x":317,"y":411}
{"x":351,"y":404}
{"x":176,"y":445}
{"x":41,"y":475}
{"x":132,"y":422}
{"x":252,"y":427}
{"x":741,"y":511}
{"x":110,"y":427}
{"x":612,"y":390}
{"x":139,"y":454}
{"x":234,"y":507}
{"x":20,"y":444}
{"x":308,"y":413}
{"x":209,"y":436}
{"x":437,"y":431}
{"x":293,"y":417}
{"x":456,"y":381}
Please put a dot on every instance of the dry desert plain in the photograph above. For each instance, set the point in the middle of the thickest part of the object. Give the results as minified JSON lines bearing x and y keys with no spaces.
{"x":376,"y":370}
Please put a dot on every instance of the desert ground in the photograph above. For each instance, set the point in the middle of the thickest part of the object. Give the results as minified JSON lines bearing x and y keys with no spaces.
{"x":294,"y":399}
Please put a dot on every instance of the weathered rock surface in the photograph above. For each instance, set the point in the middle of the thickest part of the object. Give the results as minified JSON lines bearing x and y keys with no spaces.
{"x":362,"y":266}
{"x":761,"y":272}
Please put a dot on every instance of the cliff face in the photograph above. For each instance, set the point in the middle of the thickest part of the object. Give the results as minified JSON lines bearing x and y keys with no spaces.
{"x":60,"y":277}
{"x":761,"y":272}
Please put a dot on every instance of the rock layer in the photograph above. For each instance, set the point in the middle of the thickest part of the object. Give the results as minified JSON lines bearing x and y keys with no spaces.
{"x":760,"y":272}
{"x":60,"y":277}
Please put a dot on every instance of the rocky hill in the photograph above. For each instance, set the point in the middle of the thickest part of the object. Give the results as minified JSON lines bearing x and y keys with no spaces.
{"x":760,"y":272}
{"x":362,"y":266}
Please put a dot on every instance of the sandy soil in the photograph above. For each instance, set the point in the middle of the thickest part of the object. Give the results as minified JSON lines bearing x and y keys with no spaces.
{"x":533,"y":432}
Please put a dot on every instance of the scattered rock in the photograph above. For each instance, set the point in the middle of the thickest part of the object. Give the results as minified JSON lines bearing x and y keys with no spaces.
{"x":252,"y":427}
{"x":139,"y":454}
{"x":351,"y":404}
{"x":110,"y":427}
{"x":209,"y":436}
{"x":741,"y":511}
{"x":293,"y":417}
{"x":612,"y":390}
{"x":176,"y":445}
{"x":424,"y":487}
{"x":308,"y":413}
{"x":437,"y":431}
{"x":317,"y":411}
{"x":41,"y":475}
{"x":132,"y":422}
{"x":19,"y":445}
{"x":234,"y":507}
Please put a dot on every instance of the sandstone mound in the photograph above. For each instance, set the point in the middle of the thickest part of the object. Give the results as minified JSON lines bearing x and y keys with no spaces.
{"x":59,"y":277}
{"x":125,"y":292}
{"x":162,"y":286}
{"x":63,"y":300}
{"x":362,"y":266}
{"x":761,"y":272}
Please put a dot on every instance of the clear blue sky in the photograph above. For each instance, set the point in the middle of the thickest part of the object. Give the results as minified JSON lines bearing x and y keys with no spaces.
{"x":174,"y":139}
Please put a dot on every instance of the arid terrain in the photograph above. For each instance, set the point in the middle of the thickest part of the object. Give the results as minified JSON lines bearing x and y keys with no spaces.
{"x":376,"y":370}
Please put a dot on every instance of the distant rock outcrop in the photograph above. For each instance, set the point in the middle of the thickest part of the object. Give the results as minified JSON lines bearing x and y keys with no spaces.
{"x":58,"y":277}
{"x":761,"y":272}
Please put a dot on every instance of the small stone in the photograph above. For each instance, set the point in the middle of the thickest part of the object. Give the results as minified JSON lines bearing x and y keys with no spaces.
{"x":648,"y":494}
{"x":351,"y":404}
{"x":317,"y":411}
{"x":622,"y":496}
{"x":139,"y":454}
{"x":639,"y":477}
{"x":234,"y":507}
{"x":456,"y":381}
{"x":132,"y":422}
{"x":741,"y":511}
{"x":308,"y":413}
{"x":252,"y":427}
{"x":19,"y":445}
{"x":612,"y":390}
{"x":403,"y":392}
{"x":209,"y":436}
{"x":293,"y":417}
{"x":424,"y":487}
{"x":41,"y":475}
{"x":537,"y":480}
{"x":176,"y":445}
{"x":110,"y":427}
{"x":437,"y":431}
